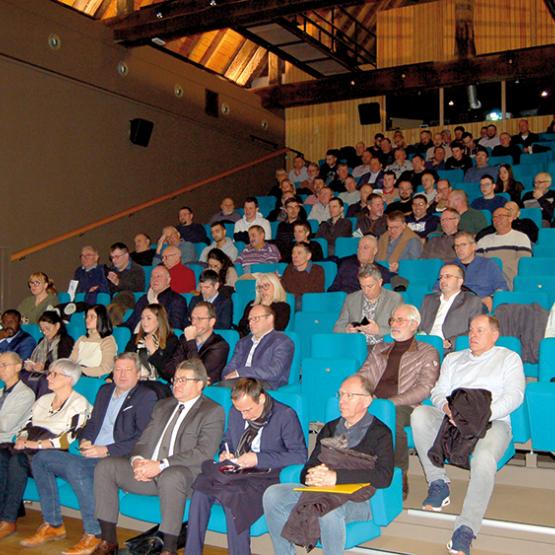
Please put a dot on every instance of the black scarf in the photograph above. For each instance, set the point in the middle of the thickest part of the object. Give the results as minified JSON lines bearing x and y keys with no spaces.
{"x":253,"y":427}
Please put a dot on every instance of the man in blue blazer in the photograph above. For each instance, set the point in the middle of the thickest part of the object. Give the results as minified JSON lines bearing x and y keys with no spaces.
{"x":209,"y":286}
{"x":120,"y":414}
{"x":265,"y":354}
{"x":262,"y":437}
{"x":13,"y":338}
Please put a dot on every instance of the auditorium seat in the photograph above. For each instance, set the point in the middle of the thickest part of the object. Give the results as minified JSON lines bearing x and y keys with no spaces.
{"x":516,"y":297}
{"x":534,"y":214}
{"x":541,"y":412}
{"x":122,"y":335}
{"x":309,"y":323}
{"x":346,"y":246}
{"x":546,"y":366}
{"x":424,"y":271}
{"x":329,"y":345}
{"x":330,"y":271}
{"x":323,"y":302}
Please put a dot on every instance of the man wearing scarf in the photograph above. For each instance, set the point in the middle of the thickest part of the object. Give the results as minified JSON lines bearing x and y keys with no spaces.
{"x":262,"y":437}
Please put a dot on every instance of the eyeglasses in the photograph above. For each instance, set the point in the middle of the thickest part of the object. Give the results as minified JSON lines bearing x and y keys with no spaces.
{"x":53,"y":374}
{"x":393,"y":320}
{"x":176,"y":381}
{"x":116,"y":256}
{"x":35,"y":283}
{"x":258,"y":318}
{"x":448,"y":276}
{"x":350,"y":396}
{"x":6,"y":364}
{"x":452,"y":219}
{"x":165,"y":256}
{"x":263,"y":286}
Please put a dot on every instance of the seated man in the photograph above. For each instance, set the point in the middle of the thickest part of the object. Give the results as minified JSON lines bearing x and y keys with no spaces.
{"x":321,"y":210}
{"x":301,"y":234}
{"x":506,"y":148}
{"x":347,"y":273}
{"x":124,"y":274}
{"x":298,"y":174}
{"x":166,"y":459}
{"x":190,"y":231}
{"x":489,"y":200}
{"x":372,"y":220}
{"x":442,"y":246}
{"x":252,"y":217}
{"x":421,"y":221}
{"x":401,"y":164}
{"x":361,"y":206}
{"x":302,"y":276}
{"x":368,"y":311}
{"x":200,"y":341}
{"x":541,"y":197}
{"x":285,"y":229}
{"x":403,"y":372}
{"x":404,"y":203}
{"x":209,"y":286}
{"x":351,"y":195}
{"x":262,"y":434}
{"x":429,"y":179}
{"x":227,"y":213}
{"x":526,"y":225}
{"x":389,"y":192}
{"x":170,"y":238}
{"x":15,"y":407}
{"x":362,"y":433}
{"x":90,"y":276}
{"x":459,"y":160}
{"x":258,"y":251}
{"x":265,"y":354}
{"x":506,"y":243}
{"x":221,"y":241}
{"x":160,"y":292}
{"x":487,"y":367}
{"x":142,"y":254}
{"x":481,"y":275}
{"x":121,"y":412}
{"x":182,"y":279}
{"x":336,"y":226}
{"x":364,"y":167}
{"x":374,"y":176}
{"x":13,"y":338}
{"x":448,"y":314}
{"x":490,"y":139}
{"x":472,"y":220}
{"x":337,"y":185}
{"x":398,"y":242}
{"x":474,"y":174}
{"x":525,"y":137}
{"x":440,"y":202}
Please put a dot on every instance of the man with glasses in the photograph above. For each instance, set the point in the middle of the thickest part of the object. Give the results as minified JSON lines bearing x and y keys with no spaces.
{"x":170,"y":238}
{"x":183,"y":432}
{"x":263,"y":436}
{"x":359,"y":433}
{"x":449,"y":312}
{"x":403,"y":372}
{"x":90,"y":276}
{"x":265,"y":354}
{"x":182,"y":278}
{"x":442,"y":246}
{"x":124,"y":274}
{"x":541,"y":197}
{"x":120,"y":414}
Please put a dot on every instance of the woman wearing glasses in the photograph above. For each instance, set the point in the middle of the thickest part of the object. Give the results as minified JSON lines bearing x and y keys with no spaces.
{"x":53,"y":424}
{"x":269,"y":292}
{"x":43,"y":295}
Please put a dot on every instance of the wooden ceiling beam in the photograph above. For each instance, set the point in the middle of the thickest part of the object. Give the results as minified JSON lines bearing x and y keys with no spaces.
{"x":536,"y":62}
{"x":180,"y":18}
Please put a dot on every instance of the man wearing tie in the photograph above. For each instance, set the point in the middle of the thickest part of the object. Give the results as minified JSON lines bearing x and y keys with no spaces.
{"x":184,"y":431}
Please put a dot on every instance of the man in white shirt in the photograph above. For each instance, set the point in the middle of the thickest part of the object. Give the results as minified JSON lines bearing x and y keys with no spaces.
{"x":350,"y":195}
{"x":221,"y":241}
{"x":252,"y":217}
{"x":491,"y":139}
{"x":363,"y":168}
{"x":482,"y":366}
{"x":321,"y":210}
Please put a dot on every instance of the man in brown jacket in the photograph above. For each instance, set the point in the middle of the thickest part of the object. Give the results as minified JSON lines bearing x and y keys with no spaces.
{"x":403,"y":372}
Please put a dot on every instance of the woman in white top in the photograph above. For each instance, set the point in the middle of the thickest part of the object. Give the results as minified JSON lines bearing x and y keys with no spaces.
{"x":95,"y":352}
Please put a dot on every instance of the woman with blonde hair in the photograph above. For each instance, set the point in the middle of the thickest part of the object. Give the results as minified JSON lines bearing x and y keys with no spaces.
{"x":43,"y":297}
{"x":269,"y":292}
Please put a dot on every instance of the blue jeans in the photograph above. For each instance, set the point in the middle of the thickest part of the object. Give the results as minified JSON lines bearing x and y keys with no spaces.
{"x":279,"y":501}
{"x":78,"y":472}
{"x":14,"y":471}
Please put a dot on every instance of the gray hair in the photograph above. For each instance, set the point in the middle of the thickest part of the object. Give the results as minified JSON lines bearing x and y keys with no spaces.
{"x":412,"y":312}
{"x":68,"y":368}
{"x":369,"y":271}
{"x":14,"y":357}
{"x":197,"y":367}
{"x":130,"y":356}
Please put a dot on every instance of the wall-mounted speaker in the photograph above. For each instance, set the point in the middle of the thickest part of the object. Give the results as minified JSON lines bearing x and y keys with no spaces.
{"x":369,"y":113}
{"x":140,"y":131}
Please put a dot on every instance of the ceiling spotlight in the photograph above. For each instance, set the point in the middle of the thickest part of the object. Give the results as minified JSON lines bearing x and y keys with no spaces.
{"x":159,"y":15}
{"x":544,"y":94}
{"x":213,"y":3}
{"x":451,"y":103}
{"x":353,"y":83}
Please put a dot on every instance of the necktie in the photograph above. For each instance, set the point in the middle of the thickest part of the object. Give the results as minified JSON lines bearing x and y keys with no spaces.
{"x":164,"y":450}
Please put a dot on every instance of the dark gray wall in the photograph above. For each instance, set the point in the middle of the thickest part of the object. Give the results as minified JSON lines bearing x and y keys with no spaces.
{"x":65,"y":155}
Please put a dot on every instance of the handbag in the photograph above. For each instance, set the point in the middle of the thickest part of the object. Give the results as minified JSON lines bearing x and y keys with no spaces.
{"x":151,"y":542}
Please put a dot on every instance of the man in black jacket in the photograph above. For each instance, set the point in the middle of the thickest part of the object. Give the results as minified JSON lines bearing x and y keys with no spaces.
{"x":120,"y":414}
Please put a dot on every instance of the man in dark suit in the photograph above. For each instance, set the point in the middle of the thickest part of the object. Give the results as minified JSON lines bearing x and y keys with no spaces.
{"x":263,"y":435}
{"x":448,"y":313}
{"x":525,"y":137}
{"x":184,"y":430}
{"x":209,"y":286}
{"x":13,"y":338}
{"x":200,"y":341}
{"x":160,"y":292}
{"x":265,"y":354}
{"x":121,"y":412}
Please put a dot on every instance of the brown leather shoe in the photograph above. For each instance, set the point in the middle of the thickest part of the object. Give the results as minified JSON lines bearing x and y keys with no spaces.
{"x":45,"y":533}
{"x":105,"y":548}
{"x":86,"y":545}
{"x":7,"y":528}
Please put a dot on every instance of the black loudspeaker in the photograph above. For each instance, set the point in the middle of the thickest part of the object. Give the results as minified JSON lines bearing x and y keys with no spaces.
{"x":369,"y":113}
{"x":140,"y":131}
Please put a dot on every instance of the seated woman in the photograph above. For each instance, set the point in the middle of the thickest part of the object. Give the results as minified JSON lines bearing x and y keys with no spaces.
{"x":269,"y":292}
{"x":95,"y":352}
{"x":55,"y":344}
{"x":506,"y":183}
{"x":221,"y":263}
{"x":53,"y":424}
{"x":301,"y":276}
{"x":43,"y":295}
{"x":155,"y":343}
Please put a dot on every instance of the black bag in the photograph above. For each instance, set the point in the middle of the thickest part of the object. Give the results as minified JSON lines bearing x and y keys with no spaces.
{"x":151,"y":542}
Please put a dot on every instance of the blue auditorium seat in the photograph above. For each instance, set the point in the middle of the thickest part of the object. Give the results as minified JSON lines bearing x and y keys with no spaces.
{"x":423,"y":271}
{"x":344,"y":345}
{"x":330,"y":271}
{"x":546,"y":366}
{"x":324,"y":302}
{"x":541,"y":412}
{"x":527,"y":297}
{"x":232,"y":337}
{"x":309,"y":323}
{"x":122,"y":335}
{"x":346,"y":246}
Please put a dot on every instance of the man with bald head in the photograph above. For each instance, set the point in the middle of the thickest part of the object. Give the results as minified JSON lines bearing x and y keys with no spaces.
{"x":526,"y":225}
{"x":170,"y":238}
{"x":498,"y":372}
{"x":159,"y":291}
{"x":182,"y":279}
{"x":472,"y":220}
{"x":448,"y":312}
{"x":403,"y":372}
{"x":506,"y":243}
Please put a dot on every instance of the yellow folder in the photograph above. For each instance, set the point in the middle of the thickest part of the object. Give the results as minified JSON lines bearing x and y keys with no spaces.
{"x":342,"y":488}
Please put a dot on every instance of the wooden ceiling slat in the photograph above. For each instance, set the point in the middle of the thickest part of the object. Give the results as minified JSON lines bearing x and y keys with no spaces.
{"x":214,"y":45}
{"x":257,"y":58}
{"x":230,"y":59}
{"x":103,"y":9}
{"x":241,"y":60}
{"x":226,"y":51}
